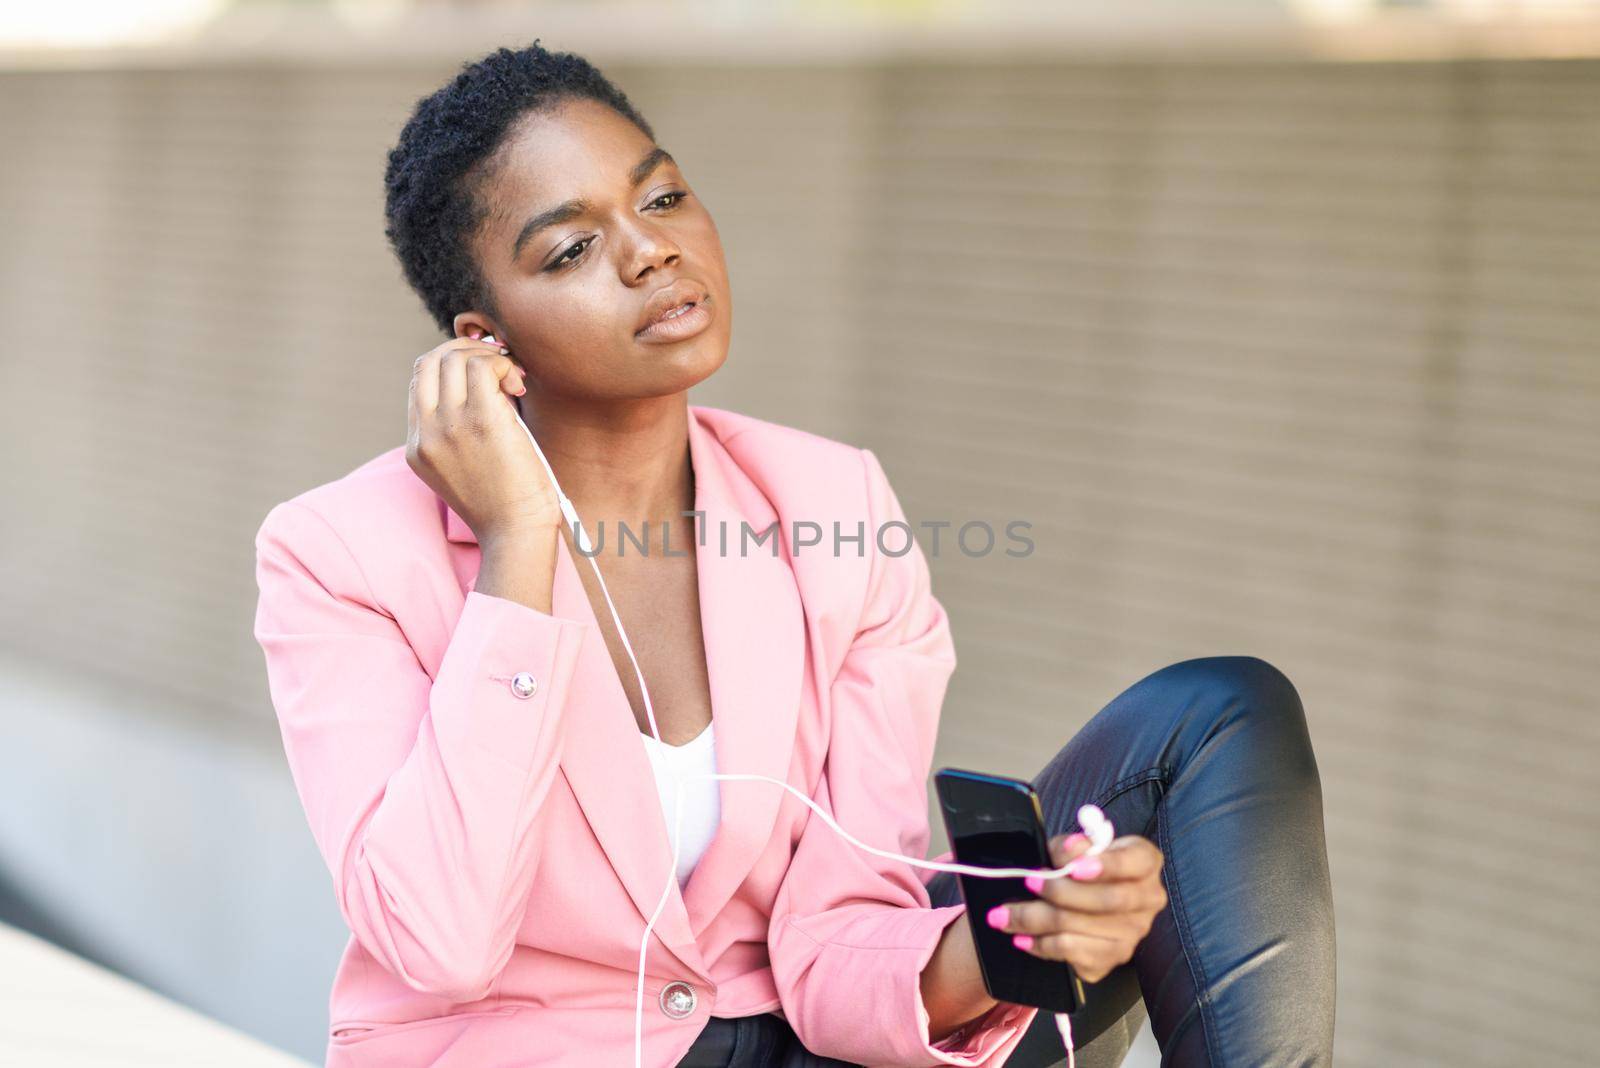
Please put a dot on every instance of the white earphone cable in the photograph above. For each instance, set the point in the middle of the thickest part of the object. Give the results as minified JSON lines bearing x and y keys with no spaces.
{"x":1090,"y":818}
{"x":569,"y":512}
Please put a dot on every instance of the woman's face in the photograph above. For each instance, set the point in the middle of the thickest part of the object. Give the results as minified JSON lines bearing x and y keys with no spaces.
{"x":619,"y":225}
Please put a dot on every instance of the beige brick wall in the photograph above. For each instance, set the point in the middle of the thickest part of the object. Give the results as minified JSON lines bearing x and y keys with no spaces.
{"x":1296,"y":360}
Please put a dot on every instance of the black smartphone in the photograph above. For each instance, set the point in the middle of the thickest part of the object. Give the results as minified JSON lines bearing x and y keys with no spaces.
{"x":995,"y":822}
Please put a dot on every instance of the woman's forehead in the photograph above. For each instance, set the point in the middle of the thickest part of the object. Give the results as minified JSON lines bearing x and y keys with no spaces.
{"x":582,"y":155}
{"x":579,"y":143}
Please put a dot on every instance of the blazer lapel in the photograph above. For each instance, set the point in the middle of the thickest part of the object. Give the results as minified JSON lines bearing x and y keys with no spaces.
{"x":605,"y":763}
{"x":753,"y":626}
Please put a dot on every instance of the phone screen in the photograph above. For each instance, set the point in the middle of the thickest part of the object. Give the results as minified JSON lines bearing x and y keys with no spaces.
{"x":995,"y":822}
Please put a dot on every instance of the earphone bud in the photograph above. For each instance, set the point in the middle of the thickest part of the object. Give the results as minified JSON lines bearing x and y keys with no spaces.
{"x":1097,"y":827}
{"x":1094,"y":822}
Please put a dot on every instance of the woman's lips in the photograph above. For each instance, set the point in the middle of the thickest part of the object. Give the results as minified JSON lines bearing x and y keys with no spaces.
{"x":685,"y":324}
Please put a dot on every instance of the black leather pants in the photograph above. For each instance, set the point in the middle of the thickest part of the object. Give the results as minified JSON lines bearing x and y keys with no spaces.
{"x":1210,"y":759}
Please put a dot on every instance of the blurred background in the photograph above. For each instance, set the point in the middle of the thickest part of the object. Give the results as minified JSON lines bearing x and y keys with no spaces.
{"x":1280,"y":322}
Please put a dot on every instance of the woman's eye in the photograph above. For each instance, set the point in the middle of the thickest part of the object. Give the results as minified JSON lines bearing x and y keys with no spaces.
{"x":567,"y":259}
{"x":562,"y":260}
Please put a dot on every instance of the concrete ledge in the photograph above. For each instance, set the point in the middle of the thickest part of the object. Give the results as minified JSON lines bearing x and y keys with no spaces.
{"x":61,"y":1009}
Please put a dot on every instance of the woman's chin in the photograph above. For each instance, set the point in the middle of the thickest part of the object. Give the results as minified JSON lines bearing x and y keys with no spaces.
{"x":687,"y":363}
{"x":696,"y":371}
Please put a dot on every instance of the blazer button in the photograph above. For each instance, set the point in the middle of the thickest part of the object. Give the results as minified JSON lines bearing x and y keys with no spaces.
{"x":678,"y":1000}
{"x":524,"y":684}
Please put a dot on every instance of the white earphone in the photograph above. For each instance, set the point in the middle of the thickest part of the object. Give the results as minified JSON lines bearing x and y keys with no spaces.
{"x":1093,"y":821}
{"x":1097,"y":827}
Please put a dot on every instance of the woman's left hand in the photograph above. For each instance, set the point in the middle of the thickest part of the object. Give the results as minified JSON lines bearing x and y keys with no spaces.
{"x":1094,"y":916}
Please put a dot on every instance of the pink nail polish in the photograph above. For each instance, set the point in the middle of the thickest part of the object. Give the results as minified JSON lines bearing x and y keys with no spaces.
{"x":1085,"y":868}
{"x":1075,"y":840}
{"x":997,"y":916}
{"x":1034,"y":883}
{"x":1023,"y":941}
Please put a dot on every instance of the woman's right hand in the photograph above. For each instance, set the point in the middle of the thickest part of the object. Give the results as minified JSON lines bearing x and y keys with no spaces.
{"x":467,"y":443}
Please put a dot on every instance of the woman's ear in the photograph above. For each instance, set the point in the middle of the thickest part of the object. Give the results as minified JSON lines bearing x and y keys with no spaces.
{"x":469,"y":324}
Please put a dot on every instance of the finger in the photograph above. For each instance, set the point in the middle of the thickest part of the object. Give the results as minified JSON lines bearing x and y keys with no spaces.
{"x":494,"y":345}
{"x":425,"y":383}
{"x":1041,"y":918}
{"x":1065,"y":847}
{"x":1128,"y":858}
{"x":466,"y":348}
{"x":474,"y":343}
{"x":413,"y":419}
{"x":509,"y":375}
{"x":469,"y":347}
{"x":1092,"y":958}
{"x":1144,"y":895}
{"x":480,"y":336}
{"x":1133,"y":895}
{"x":452,"y":380}
{"x":485,"y":375}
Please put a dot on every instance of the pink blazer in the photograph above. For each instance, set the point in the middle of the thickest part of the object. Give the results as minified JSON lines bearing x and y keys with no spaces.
{"x":496,"y":852}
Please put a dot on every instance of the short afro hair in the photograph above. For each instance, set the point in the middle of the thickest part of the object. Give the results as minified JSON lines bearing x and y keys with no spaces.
{"x":435,"y":171}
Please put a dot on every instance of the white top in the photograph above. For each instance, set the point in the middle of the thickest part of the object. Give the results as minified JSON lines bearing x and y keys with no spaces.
{"x":702,"y":798}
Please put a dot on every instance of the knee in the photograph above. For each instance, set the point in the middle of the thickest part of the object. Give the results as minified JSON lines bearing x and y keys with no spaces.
{"x":1249,"y":697}
{"x":1254,"y":681}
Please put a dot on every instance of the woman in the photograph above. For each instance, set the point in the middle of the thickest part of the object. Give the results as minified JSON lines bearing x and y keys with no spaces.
{"x":467,"y":736}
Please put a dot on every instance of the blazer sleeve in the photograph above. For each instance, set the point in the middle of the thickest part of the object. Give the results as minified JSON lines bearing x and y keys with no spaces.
{"x":851,"y":932}
{"x":421,"y":791}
